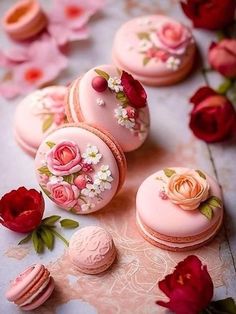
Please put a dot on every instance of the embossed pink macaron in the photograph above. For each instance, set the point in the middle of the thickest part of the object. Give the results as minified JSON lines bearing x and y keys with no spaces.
{"x":80,"y":167}
{"x":31,"y":288}
{"x":155,"y":49}
{"x":37,"y":114}
{"x":179,"y":209}
{"x":112,"y":100}
{"x":24,"y":19}
{"x":92,"y":250}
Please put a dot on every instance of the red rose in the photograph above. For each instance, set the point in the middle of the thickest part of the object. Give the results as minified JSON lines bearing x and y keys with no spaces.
{"x":211,"y":14}
{"x":189,"y":287}
{"x":21,"y":210}
{"x":213,"y":117}
{"x":133,"y":90}
{"x":222,"y":57}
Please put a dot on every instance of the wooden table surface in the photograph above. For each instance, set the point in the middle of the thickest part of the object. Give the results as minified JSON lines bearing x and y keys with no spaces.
{"x":128,"y":286}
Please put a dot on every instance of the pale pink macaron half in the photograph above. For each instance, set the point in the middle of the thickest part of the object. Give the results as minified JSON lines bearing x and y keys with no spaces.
{"x":155,"y":49}
{"x":179,"y":209}
{"x":112,"y":100}
{"x":92,"y":250}
{"x":24,"y":19}
{"x":31,"y":288}
{"x":80,"y":167}
{"x":37,"y":114}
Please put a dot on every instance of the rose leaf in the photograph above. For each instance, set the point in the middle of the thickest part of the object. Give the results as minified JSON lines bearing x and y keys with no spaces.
{"x":47,"y":123}
{"x":26,"y":239}
{"x":224,"y":86}
{"x":47,"y":236}
{"x":146,"y":60}
{"x":223,"y":306}
{"x":68,"y":178}
{"x":44,"y":170}
{"x":50,"y":144}
{"x":169,"y":172}
{"x":206,"y":210}
{"x":50,"y":221}
{"x":214,"y":202}
{"x":69,"y":223}
{"x":201,"y":174}
{"x":37,"y":242}
{"x":143,"y":35}
{"x":102,"y":74}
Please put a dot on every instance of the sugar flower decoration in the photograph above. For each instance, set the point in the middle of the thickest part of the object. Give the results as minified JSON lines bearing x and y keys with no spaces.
{"x":91,"y":155}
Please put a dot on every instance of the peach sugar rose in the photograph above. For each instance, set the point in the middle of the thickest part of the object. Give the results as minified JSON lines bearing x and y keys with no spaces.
{"x":187,"y":190}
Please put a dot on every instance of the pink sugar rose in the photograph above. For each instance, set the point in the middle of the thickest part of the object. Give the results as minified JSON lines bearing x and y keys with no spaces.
{"x":82,"y":180}
{"x":64,"y":194}
{"x":64,"y":158}
{"x":172,"y":37}
{"x":222,"y":57}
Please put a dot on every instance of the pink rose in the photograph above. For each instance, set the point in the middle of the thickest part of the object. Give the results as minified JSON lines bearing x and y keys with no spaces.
{"x":64,"y":158}
{"x":222,"y":57}
{"x":187,"y":190}
{"x":82,"y":180}
{"x":64,"y":194}
{"x":172,"y":37}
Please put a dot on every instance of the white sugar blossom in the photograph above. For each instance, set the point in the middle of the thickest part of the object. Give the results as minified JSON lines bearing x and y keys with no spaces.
{"x":173,"y":63}
{"x":92,"y":155}
{"x":103,"y":178}
{"x":55,"y":179}
{"x":123,"y":119}
{"x":100,"y":102}
{"x":114,"y":84}
{"x":87,"y":206}
{"x":91,"y":190}
{"x":144,"y":45}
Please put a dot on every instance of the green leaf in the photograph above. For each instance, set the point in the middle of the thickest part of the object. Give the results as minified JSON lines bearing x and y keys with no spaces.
{"x":47,"y":236}
{"x":143,"y":35}
{"x":50,"y":144}
{"x":169,"y":172}
{"x":50,"y":221}
{"x":44,"y":170}
{"x":224,"y":87}
{"x":26,"y":239}
{"x":201,"y":174}
{"x":214,"y":202}
{"x":220,"y":35}
{"x":146,"y":60}
{"x":47,"y":123}
{"x":102,"y":74}
{"x":69,"y":223}
{"x":225,"y":306}
{"x":206,"y":210}
{"x":37,"y":242}
{"x":68,"y":178}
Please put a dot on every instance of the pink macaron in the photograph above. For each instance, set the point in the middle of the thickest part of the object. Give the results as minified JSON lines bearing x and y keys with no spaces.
{"x":156,"y":49}
{"x":92,"y":250}
{"x":112,"y":100}
{"x":37,"y":114}
{"x":31,"y":288}
{"x":80,"y":167}
{"x":24,"y":19}
{"x":179,"y":209}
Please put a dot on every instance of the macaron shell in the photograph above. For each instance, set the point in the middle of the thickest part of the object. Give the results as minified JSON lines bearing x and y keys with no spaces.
{"x":37,"y":114}
{"x":130,"y":56}
{"x":42,"y":298}
{"x":92,"y":250}
{"x":81,"y":136}
{"x":83,"y":107}
{"x":166,"y":218}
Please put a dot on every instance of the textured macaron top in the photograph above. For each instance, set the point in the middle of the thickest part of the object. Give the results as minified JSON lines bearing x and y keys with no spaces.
{"x":39,"y":113}
{"x":91,"y":247}
{"x":179,"y":202}
{"x":111,"y":99}
{"x":153,"y":46}
{"x":79,"y":169}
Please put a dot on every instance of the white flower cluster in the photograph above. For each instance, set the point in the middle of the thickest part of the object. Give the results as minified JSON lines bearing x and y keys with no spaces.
{"x":114,"y":84}
{"x":87,"y":206}
{"x":102,"y":182}
{"x":100,"y":102}
{"x":144,"y":45}
{"x":121,"y":115}
{"x":173,"y":63}
{"x":92,"y":155}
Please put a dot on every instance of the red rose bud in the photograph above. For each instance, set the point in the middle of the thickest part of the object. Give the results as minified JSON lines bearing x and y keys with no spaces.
{"x":213,"y":117}
{"x":222,"y":57}
{"x":133,"y":90}
{"x":21,"y":210}
{"x":99,"y":84}
{"x":211,"y":14}
{"x":189,"y":288}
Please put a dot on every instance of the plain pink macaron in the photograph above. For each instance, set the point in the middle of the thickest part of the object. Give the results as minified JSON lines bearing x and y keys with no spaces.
{"x":179,"y":209}
{"x":80,"y":167}
{"x":24,"y":19}
{"x":112,"y":100}
{"x":92,"y":250}
{"x":37,"y":114}
{"x":155,"y":49}
{"x":31,"y":288}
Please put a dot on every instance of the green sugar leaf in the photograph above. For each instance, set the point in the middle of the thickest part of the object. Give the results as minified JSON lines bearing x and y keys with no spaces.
{"x":206,"y":210}
{"x":50,"y":221}
{"x":169,"y":172}
{"x":69,"y":223}
{"x":102,"y":74}
{"x":201,"y":174}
